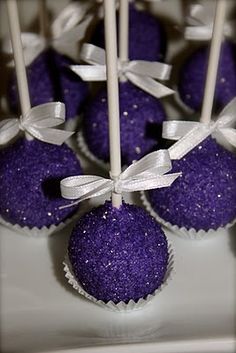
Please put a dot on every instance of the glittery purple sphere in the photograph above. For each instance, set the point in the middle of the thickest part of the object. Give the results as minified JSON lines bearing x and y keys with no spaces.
{"x":205,"y":196}
{"x":147,"y":38}
{"x":50,"y":79}
{"x":193,"y":76}
{"x":118,"y":254}
{"x":141,"y":117}
{"x":30,"y":174}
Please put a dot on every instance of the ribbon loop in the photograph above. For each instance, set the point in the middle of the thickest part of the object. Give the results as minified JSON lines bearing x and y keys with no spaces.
{"x":39,"y":123}
{"x":155,"y":70}
{"x":33,"y":45}
{"x":190,"y":134}
{"x":142,"y":74}
{"x":69,"y":17}
{"x":147,"y":173}
{"x":68,"y":28}
{"x":200,"y":23}
{"x":92,"y":54}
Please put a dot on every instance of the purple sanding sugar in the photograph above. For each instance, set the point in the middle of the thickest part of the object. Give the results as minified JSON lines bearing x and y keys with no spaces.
{"x":147,"y":38}
{"x":49,"y":80}
{"x":205,"y":196}
{"x":193,"y":76}
{"x":30,"y":174}
{"x":118,"y":254}
{"x":141,"y":117}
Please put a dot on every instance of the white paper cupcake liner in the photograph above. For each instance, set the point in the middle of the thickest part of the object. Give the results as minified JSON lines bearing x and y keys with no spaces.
{"x":121,"y":306}
{"x":44,"y":231}
{"x":191,"y":233}
{"x":84,"y":149}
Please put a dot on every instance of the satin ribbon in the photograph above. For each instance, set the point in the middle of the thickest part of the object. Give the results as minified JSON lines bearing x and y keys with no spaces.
{"x":39,"y":123}
{"x":200,"y":23}
{"x":68,"y":28}
{"x":141,"y":73}
{"x":190,"y":133}
{"x":145,"y":174}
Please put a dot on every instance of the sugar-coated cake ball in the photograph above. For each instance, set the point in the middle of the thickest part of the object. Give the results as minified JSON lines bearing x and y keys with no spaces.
{"x":49,"y":80}
{"x":204,"y":197}
{"x":147,"y":37}
{"x":193,"y":76}
{"x":30,"y":174}
{"x":141,"y":117}
{"x":118,"y":254}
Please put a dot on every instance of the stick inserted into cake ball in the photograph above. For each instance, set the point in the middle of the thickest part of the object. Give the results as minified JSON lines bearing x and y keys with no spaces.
{"x":203,"y":200}
{"x":213,"y":63}
{"x":124,"y":32}
{"x":15,"y":33}
{"x":113,"y":94}
{"x":141,"y":115}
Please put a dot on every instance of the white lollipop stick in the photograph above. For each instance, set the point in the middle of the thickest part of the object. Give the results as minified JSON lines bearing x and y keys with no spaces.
{"x":124,"y":33}
{"x":124,"y":30}
{"x":43,"y":18}
{"x":213,"y":62}
{"x":18,"y":56}
{"x":113,"y":94}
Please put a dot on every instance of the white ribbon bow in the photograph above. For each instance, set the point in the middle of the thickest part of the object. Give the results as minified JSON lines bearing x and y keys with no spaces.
{"x":39,"y":123}
{"x":68,"y":28}
{"x":141,"y":73}
{"x":145,"y":174}
{"x":200,"y":23}
{"x":190,"y":133}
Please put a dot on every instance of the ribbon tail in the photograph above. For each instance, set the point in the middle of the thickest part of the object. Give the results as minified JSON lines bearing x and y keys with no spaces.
{"x":176,"y":129}
{"x":203,"y":33}
{"x":188,"y":142}
{"x":149,"y":85}
{"x":9,"y":128}
{"x":49,"y":135}
{"x":153,"y":69}
{"x":90,"y":73}
{"x":229,"y":135}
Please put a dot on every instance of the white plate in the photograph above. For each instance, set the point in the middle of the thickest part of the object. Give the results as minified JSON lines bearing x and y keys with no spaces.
{"x":42,"y":313}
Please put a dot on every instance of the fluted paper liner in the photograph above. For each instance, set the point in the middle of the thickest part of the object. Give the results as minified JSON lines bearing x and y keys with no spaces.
{"x":40,"y":232}
{"x":84,"y":149}
{"x":183,"y":232}
{"x":121,"y":306}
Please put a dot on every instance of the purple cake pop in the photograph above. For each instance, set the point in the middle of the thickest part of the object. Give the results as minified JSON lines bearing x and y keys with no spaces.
{"x":193,"y":76}
{"x":147,"y":38}
{"x":118,"y":254}
{"x":204,"y":197}
{"x":50,"y":80}
{"x":30,"y":174}
{"x":141,"y":116}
